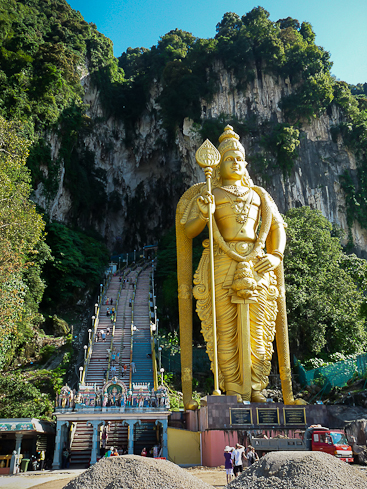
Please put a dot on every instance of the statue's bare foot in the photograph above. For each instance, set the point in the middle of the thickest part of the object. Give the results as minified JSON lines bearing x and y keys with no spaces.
{"x":192,"y":405}
{"x":300,"y":402}
{"x":295,"y":402}
{"x":256,"y":396}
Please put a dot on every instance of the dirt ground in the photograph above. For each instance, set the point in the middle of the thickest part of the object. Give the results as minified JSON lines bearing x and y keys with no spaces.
{"x":215,"y":476}
{"x":58,"y":479}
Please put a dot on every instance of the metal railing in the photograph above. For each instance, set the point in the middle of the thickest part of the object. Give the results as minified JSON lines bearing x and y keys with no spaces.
{"x":103,"y":292}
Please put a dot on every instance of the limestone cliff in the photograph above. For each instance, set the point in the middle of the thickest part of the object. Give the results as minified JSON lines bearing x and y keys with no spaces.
{"x":147,"y":176}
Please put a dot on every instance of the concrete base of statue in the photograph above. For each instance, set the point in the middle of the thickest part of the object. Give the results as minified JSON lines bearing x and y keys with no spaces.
{"x":226,"y":413}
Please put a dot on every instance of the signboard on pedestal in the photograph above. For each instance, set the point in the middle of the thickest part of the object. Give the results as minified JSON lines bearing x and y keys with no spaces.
{"x":267,"y":416}
{"x":294,"y":416}
{"x":240,"y":417}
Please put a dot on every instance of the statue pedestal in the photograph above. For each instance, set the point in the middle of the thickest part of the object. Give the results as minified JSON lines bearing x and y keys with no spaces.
{"x":225,"y":413}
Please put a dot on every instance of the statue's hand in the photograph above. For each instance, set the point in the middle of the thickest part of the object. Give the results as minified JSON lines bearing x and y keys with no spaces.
{"x":267,"y":263}
{"x":203,"y":203}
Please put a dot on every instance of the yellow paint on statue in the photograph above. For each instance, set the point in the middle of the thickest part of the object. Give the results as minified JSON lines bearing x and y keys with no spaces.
{"x":245,"y":283}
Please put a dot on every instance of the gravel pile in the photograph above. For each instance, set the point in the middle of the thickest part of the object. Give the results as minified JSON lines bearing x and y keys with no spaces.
{"x":300,"y":470}
{"x":135,"y":472}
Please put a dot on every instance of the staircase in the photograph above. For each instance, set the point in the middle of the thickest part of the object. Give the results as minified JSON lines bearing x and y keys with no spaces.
{"x":117,"y":436}
{"x":98,"y":364}
{"x":142,"y":349}
{"x":82,"y":446}
{"x":120,"y":343}
{"x":145,"y":435}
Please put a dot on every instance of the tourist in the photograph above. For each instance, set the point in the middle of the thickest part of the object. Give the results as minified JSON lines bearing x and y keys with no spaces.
{"x":130,"y":303}
{"x":115,"y":453}
{"x":252,"y":456}
{"x":237,"y":455}
{"x":144,"y":452}
{"x":108,"y":331}
{"x":65,"y":456}
{"x":109,"y":452}
{"x":34,"y":462}
{"x":113,"y":358}
{"x":228,"y":465}
{"x":103,"y":335}
{"x":157,"y":451}
{"x":108,"y":311}
{"x":111,"y":302}
{"x":133,"y":367}
{"x":41,"y":459}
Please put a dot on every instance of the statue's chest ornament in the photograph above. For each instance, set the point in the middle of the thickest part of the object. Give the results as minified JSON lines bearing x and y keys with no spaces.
{"x":241,"y":204}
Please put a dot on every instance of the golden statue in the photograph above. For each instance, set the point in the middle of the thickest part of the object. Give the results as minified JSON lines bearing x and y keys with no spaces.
{"x":249,"y":292}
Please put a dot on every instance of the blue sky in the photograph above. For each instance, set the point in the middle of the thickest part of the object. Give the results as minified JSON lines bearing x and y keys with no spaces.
{"x":340,"y":25}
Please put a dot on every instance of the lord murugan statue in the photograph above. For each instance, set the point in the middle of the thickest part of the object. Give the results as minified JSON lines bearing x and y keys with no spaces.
{"x":240,"y":272}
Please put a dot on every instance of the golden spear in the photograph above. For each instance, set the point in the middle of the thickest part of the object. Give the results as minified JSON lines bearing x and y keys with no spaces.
{"x":208,"y":157}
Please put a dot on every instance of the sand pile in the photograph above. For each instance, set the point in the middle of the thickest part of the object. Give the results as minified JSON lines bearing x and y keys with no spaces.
{"x":135,"y":472}
{"x":300,"y":470}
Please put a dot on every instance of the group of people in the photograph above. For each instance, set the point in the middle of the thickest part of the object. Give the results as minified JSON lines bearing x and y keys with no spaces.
{"x":101,"y":335}
{"x":38,"y":460}
{"x":114,"y":452}
{"x":234,"y":458}
{"x":111,"y":313}
{"x":154,"y":452}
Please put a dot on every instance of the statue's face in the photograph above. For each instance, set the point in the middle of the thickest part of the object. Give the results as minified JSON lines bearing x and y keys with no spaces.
{"x":233,"y":165}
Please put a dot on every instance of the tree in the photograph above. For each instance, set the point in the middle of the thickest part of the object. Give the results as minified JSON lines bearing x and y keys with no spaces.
{"x":21,"y":398}
{"x":229,"y":25}
{"x":21,"y":229}
{"x":325,"y":298}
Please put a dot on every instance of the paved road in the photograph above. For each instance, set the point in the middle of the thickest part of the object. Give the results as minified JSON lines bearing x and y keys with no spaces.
{"x":37,"y":479}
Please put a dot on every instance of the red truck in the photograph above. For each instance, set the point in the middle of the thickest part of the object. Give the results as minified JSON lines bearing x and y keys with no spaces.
{"x":316,"y":438}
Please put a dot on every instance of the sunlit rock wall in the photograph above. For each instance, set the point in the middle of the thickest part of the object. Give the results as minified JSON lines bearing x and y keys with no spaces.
{"x":148,"y":176}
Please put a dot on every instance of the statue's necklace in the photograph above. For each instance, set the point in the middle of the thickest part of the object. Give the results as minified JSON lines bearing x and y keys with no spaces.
{"x":236,"y":190}
{"x":242,"y":204}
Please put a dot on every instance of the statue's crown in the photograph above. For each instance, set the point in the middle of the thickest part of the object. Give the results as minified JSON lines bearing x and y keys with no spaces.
{"x":229,"y":140}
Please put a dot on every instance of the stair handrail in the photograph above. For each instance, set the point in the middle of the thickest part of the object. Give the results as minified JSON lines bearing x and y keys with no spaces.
{"x":114,"y":326}
{"x":153,"y":316}
{"x":73,"y":427}
{"x":123,"y":334}
{"x":132,"y":325}
{"x":95,"y":325}
{"x":95,"y":322}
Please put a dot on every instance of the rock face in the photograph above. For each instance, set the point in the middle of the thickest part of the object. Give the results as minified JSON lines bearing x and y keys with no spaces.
{"x":147,"y":176}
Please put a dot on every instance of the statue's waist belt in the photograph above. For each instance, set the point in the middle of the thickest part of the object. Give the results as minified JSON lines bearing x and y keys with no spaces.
{"x":243,"y":248}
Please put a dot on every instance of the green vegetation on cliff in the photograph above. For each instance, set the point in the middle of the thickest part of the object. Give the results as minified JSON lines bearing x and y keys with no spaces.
{"x":22,"y":250}
{"x":44,"y":48}
{"x":27,"y":269}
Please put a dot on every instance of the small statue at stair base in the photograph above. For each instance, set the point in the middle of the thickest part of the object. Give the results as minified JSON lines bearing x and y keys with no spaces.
{"x":105,"y":399}
{"x":65,"y":398}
